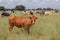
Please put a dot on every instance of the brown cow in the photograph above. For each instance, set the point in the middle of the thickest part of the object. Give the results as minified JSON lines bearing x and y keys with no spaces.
{"x":20,"y":22}
{"x":56,"y":11}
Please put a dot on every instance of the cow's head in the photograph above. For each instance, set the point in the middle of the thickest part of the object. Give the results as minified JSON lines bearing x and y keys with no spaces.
{"x":33,"y":19}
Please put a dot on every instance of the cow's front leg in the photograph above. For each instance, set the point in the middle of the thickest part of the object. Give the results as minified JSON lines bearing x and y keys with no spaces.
{"x":10,"y":28}
{"x":27,"y":29}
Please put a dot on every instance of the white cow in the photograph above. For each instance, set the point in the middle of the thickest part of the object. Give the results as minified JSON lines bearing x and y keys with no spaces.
{"x":47,"y":13}
{"x":26,"y":13}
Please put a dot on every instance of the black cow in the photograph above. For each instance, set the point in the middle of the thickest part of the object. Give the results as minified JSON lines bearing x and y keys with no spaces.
{"x":5,"y":14}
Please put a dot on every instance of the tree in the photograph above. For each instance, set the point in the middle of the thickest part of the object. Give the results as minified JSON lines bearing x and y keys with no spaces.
{"x":20,"y":7}
{"x":48,"y":8}
{"x":2,"y":8}
{"x":44,"y":8}
{"x":39,"y":9}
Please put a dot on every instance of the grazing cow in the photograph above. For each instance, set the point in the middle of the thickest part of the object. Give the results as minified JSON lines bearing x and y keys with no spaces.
{"x":42,"y":12}
{"x":56,"y":11}
{"x":20,"y":22}
{"x":31,"y":12}
{"x":27,"y":13}
{"x":38,"y":12}
{"x":47,"y":13}
{"x":5,"y":14}
{"x":12,"y":11}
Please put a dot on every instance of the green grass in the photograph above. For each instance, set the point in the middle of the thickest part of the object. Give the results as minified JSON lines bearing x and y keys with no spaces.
{"x":45,"y":28}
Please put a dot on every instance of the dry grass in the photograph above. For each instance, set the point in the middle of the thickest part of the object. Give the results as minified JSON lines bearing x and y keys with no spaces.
{"x":45,"y":28}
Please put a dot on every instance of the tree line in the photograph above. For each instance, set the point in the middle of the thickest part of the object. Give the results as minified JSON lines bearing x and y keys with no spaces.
{"x":22,"y":7}
{"x":18,"y":7}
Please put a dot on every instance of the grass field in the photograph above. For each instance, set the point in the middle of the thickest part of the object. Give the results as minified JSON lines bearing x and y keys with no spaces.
{"x":45,"y":28}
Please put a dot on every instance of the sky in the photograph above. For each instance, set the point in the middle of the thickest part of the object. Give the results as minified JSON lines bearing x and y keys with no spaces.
{"x":55,"y":4}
